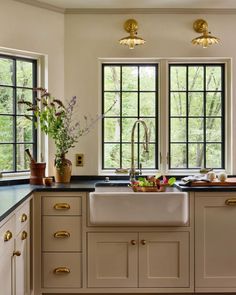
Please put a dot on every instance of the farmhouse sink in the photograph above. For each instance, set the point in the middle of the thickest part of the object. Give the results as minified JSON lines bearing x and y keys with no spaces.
{"x":113,"y":207}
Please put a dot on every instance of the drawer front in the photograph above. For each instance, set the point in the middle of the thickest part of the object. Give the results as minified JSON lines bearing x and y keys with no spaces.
{"x":7,"y":236}
{"x":62,"y":270}
{"x":22,"y":217}
{"x":61,"y":233}
{"x":61,"y":206}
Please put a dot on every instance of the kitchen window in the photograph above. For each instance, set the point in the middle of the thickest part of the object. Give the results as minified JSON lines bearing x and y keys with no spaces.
{"x":186,"y":116}
{"x":135,"y":89}
{"x":18,"y":77}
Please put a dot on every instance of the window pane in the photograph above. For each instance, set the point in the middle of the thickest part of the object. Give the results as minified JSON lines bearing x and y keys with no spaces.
{"x":27,"y":95}
{"x":24,"y":129}
{"x":195,"y":104}
{"x":111,"y":78}
{"x":6,"y":129}
{"x":112,"y":155}
{"x":178,"y":104}
{"x":21,"y":158}
{"x":129,"y":78}
{"x":151,"y":124}
{"x":6,"y":100}
{"x":148,"y":159}
{"x":6,"y":158}
{"x":178,"y":129}
{"x":147,"y":76}
{"x":109,"y":98}
{"x":129,"y":104}
{"x":112,"y":129}
{"x":213,"y":78}
{"x":196,"y":155}
{"x":213,"y":104}
{"x":126,"y":155}
{"x":195,"y":78}
{"x":178,"y":156}
{"x":147,"y":104}
{"x":127,"y":125}
{"x":6,"y":71}
{"x":213,"y":155}
{"x":213,"y":129}
{"x":24,"y":74}
{"x":195,"y":129}
{"x":178,"y":78}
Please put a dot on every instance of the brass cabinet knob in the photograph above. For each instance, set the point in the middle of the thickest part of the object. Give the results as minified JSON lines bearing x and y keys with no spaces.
{"x":23,"y":217}
{"x":133,"y":242}
{"x":61,"y":206}
{"x":143,"y":242}
{"x":7,"y":236}
{"x":230,"y":202}
{"x":61,"y":270}
{"x":16,"y":253}
{"x":61,"y":234}
{"x":24,"y":235}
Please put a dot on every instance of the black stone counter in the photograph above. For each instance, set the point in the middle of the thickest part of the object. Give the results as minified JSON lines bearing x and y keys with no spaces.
{"x":11,"y":196}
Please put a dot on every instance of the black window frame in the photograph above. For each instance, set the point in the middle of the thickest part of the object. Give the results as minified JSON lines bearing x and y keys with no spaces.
{"x":204,"y":142}
{"x":156,"y":117}
{"x":15,"y":115}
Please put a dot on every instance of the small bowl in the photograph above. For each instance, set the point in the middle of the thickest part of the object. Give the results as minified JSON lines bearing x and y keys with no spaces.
{"x":48,"y":181}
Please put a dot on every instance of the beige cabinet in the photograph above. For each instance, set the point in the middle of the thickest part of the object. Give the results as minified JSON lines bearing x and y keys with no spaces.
{"x":7,"y":233}
{"x":157,"y":259}
{"x":215,"y":241}
{"x":61,"y":243}
{"x":15,"y":253}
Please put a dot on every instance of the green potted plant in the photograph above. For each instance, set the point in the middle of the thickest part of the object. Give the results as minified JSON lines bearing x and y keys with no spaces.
{"x":56,"y":119}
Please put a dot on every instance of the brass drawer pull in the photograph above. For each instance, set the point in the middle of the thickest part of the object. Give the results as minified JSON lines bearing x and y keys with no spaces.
{"x":24,"y":235}
{"x":143,"y":242}
{"x":61,"y":270}
{"x":133,"y":242}
{"x":7,"y":236}
{"x":61,"y":206}
{"x":16,"y":253}
{"x":61,"y":234}
{"x":230,"y":202}
{"x":23,"y":217}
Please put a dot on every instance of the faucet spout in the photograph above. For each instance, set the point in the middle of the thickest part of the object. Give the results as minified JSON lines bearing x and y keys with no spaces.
{"x":146,"y":145}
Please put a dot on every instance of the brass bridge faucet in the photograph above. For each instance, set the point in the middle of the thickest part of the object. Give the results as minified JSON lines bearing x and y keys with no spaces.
{"x":146,"y":148}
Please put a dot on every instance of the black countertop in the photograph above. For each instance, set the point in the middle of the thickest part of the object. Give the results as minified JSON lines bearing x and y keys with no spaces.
{"x":11,"y":196}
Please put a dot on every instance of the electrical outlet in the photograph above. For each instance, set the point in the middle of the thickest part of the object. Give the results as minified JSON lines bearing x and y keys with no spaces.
{"x":79,"y":160}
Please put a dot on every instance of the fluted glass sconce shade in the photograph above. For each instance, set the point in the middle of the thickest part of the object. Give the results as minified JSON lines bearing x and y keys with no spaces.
{"x":131,"y":26}
{"x":206,"y":39}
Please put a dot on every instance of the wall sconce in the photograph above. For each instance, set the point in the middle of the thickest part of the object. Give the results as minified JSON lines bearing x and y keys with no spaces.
{"x":131,"y":26}
{"x":201,"y":26}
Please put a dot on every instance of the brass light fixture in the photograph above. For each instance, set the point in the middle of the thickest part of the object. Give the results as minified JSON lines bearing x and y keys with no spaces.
{"x":131,"y":26}
{"x":206,"y":39}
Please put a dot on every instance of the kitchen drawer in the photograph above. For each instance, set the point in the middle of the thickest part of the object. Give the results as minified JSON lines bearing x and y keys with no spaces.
{"x":61,"y":233}
{"x":61,"y":206}
{"x":7,"y":235}
{"x":68,"y":266}
{"x":22,"y":216}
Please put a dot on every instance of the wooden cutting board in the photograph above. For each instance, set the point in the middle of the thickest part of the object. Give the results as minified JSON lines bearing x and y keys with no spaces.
{"x":229,"y":181}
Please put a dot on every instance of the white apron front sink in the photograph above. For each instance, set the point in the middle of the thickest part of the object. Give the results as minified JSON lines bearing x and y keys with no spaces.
{"x":144,"y":209}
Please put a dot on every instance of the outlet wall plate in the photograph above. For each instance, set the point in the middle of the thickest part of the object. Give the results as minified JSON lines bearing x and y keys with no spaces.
{"x":79,"y":160}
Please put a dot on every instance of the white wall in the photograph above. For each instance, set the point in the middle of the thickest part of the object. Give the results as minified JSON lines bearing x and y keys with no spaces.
{"x":90,"y":37}
{"x":27,"y":28}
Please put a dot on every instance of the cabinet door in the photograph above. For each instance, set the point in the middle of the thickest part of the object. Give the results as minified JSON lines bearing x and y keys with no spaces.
{"x":164,"y":259}
{"x":112,"y":259}
{"x":215,"y":241}
{"x":21,"y":262}
{"x":6,"y":250}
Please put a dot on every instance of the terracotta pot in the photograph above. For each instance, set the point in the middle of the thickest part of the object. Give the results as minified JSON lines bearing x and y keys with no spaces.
{"x":63,"y":174}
